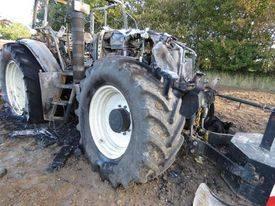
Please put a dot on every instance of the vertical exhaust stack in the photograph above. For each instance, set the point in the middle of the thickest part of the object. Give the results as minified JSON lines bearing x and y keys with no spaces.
{"x":77,"y":20}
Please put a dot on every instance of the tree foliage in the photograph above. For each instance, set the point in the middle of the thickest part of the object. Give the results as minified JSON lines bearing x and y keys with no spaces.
{"x":14,"y":31}
{"x":232,"y":35}
{"x":59,"y":14}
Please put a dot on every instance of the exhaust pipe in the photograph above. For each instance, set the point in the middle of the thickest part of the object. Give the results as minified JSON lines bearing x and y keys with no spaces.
{"x":77,"y":22}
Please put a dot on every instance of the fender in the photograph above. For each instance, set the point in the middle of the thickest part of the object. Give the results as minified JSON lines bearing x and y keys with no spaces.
{"x":42,"y":54}
{"x":49,"y":77}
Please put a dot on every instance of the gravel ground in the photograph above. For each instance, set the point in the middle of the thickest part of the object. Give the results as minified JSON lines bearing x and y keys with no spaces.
{"x":28,"y":183}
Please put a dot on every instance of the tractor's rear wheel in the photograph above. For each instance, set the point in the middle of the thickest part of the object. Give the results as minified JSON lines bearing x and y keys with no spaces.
{"x":124,"y":122}
{"x":19,"y":82}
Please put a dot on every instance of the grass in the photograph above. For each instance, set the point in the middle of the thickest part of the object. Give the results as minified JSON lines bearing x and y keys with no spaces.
{"x":241,"y":81}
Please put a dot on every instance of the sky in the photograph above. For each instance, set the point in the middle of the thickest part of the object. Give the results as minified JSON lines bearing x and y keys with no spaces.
{"x":17,"y":10}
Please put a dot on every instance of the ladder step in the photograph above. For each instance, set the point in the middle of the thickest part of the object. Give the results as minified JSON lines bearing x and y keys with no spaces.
{"x":60,"y":102}
{"x":67,"y":73}
{"x":65,"y":86}
{"x":58,"y":118}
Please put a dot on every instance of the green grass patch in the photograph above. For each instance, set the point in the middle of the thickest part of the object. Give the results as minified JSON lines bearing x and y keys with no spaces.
{"x":242,"y":81}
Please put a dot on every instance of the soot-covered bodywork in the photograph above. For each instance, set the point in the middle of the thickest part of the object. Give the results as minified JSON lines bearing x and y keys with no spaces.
{"x":161,"y":59}
{"x":173,"y":64}
{"x":156,"y":50}
{"x":169,"y":60}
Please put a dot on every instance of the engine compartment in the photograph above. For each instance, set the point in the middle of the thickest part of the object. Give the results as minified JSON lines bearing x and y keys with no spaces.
{"x":156,"y":50}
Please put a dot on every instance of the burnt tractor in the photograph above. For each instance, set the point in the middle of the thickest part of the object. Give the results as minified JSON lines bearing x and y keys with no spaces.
{"x":137,"y":95}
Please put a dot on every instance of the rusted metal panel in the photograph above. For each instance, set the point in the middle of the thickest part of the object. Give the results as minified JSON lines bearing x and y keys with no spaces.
{"x":49,"y":90}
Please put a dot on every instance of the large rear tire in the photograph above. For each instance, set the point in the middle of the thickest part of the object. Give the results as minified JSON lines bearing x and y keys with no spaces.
{"x":19,"y":82}
{"x":153,"y":142}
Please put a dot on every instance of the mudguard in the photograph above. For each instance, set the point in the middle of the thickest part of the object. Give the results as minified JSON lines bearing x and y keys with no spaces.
{"x":42,"y":54}
{"x":49,"y":77}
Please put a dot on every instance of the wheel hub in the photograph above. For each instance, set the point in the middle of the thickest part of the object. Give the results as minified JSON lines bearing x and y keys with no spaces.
{"x":110,"y":121}
{"x":119,"y":120}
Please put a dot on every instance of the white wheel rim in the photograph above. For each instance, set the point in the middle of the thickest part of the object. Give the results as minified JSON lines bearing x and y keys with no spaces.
{"x":15,"y":87}
{"x":111,"y":144}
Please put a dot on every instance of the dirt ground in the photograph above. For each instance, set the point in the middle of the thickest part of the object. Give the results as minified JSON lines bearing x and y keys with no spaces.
{"x":28,"y":183}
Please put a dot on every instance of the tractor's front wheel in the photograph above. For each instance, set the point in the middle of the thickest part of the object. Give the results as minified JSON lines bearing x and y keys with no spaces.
{"x":124,"y":122}
{"x":19,"y":82}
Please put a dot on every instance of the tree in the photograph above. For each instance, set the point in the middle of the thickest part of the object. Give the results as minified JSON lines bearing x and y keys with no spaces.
{"x":14,"y":31}
{"x":59,"y":14}
{"x":232,"y":35}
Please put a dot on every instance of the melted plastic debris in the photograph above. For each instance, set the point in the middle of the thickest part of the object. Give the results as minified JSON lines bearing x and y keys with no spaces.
{"x":64,"y":135}
{"x":44,"y":137}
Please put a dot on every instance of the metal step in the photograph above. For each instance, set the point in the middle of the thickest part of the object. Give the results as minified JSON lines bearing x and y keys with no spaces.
{"x":67,"y":103}
{"x":65,"y":86}
{"x":67,"y":73}
{"x":60,"y":102}
{"x":58,"y":118}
